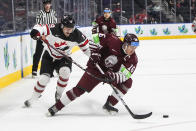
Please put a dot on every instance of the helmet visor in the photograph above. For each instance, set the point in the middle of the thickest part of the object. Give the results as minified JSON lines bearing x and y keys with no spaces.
{"x":133,"y":43}
{"x":107,"y":11}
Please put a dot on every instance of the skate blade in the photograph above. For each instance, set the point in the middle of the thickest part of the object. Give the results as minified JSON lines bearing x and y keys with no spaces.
{"x":112,"y":113}
{"x":48,"y":114}
{"x":26,"y":106}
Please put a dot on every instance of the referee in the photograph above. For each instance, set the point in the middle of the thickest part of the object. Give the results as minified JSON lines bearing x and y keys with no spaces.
{"x":46,"y":16}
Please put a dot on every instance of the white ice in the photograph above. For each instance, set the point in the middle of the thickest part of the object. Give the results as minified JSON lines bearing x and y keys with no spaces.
{"x":164,"y":82}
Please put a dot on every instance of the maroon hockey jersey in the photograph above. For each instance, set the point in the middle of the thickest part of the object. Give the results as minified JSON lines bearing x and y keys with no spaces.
{"x":106,"y":26}
{"x":113,"y":57}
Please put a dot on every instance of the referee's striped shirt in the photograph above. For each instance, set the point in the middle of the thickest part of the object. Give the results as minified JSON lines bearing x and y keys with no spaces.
{"x":46,"y":17}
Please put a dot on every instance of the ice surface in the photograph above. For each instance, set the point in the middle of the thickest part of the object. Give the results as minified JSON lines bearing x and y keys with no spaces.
{"x":164,"y":82}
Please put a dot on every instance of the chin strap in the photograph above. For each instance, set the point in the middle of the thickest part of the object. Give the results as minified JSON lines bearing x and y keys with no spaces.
{"x":124,"y":47}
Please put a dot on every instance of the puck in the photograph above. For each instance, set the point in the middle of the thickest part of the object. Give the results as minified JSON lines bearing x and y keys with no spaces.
{"x":165,"y":116}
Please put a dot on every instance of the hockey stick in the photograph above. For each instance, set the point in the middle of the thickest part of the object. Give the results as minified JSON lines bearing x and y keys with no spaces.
{"x":98,"y":78}
{"x":135,"y":116}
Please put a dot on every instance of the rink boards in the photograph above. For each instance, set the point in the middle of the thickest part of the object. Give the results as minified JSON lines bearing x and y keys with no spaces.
{"x":16,"y":51}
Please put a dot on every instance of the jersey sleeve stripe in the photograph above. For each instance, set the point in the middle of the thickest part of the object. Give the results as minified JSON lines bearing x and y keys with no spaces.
{"x":48,"y":32}
{"x":84,"y":43}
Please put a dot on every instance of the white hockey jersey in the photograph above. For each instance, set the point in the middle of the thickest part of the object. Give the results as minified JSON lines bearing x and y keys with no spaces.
{"x":56,"y":38}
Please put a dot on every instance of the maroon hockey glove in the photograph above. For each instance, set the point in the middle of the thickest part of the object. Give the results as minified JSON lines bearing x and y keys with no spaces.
{"x":95,"y":57}
{"x":35,"y":34}
{"x":117,"y":77}
{"x":94,"y":48}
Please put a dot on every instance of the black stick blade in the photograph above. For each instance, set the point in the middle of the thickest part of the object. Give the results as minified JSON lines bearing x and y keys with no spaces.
{"x":141,"y":116}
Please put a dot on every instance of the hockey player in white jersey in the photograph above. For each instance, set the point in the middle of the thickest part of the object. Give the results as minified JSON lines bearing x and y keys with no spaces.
{"x":63,"y":36}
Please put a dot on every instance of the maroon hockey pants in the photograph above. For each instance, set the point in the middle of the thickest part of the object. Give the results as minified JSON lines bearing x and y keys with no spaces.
{"x":88,"y":83}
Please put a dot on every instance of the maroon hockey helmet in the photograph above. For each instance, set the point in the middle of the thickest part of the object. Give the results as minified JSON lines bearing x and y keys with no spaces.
{"x":131,"y":39}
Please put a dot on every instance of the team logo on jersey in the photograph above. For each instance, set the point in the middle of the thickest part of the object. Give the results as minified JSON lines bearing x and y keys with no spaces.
{"x":105,"y":29}
{"x":110,"y":61}
{"x":59,"y":44}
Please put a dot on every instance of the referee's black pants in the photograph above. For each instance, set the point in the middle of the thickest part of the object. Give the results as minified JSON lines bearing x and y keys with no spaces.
{"x":37,"y":55}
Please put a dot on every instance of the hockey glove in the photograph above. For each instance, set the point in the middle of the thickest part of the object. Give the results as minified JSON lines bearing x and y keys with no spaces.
{"x":35,"y":34}
{"x":94,"y":48}
{"x":94,"y":31}
{"x":118,"y":77}
{"x":95,"y":57}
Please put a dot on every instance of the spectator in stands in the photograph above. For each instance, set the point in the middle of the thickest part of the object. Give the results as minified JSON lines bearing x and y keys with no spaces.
{"x":170,"y":4}
{"x":143,"y":17}
{"x":5,"y":17}
{"x":116,"y":13}
{"x":193,"y":8}
{"x":152,"y":20}
{"x":183,"y":10}
{"x":140,"y":18}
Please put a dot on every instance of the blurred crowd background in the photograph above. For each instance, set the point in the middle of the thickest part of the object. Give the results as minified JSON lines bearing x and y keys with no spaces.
{"x":19,"y":15}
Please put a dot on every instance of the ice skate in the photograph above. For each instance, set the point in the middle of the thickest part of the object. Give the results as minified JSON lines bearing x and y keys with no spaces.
{"x":52,"y":111}
{"x":27,"y":104}
{"x":109,"y":108}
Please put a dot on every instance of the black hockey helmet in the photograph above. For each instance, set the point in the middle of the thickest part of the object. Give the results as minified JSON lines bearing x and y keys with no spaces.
{"x":47,"y":1}
{"x":131,"y":39}
{"x":67,"y":21}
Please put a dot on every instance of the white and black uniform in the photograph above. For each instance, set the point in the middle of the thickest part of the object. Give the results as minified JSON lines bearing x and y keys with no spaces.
{"x":50,"y":19}
{"x":53,"y":60}
{"x":46,"y":17}
{"x":56,"y":38}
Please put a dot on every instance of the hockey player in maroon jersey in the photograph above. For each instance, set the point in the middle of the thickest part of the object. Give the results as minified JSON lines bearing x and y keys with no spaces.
{"x":117,"y":59}
{"x":103,"y":25}
{"x":63,"y":36}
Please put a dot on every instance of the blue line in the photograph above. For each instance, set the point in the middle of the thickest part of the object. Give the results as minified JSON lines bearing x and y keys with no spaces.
{"x":154,"y":24}
{"x":13,"y":35}
{"x":19,"y":34}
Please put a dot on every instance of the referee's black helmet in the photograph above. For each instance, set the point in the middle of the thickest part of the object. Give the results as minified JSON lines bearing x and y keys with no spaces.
{"x":47,"y":1}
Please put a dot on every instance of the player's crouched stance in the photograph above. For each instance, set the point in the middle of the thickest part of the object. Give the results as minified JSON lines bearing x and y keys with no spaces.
{"x":117,"y":59}
{"x":63,"y":36}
